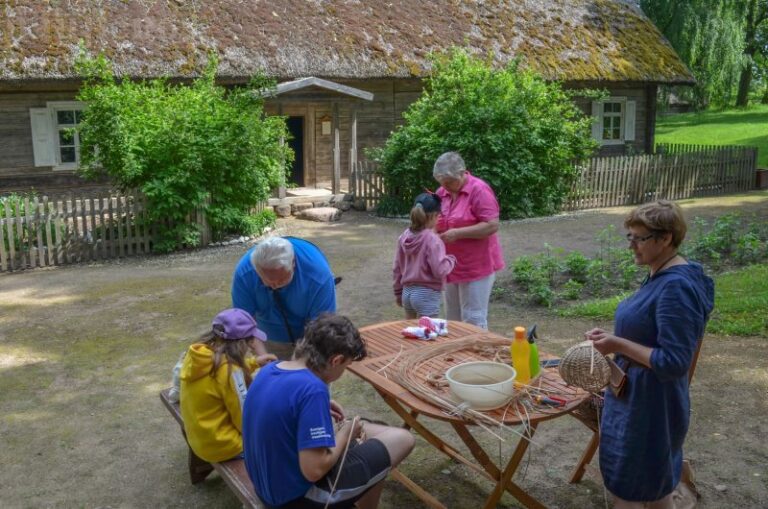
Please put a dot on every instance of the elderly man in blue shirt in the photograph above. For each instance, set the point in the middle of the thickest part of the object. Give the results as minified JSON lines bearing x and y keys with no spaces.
{"x":284,"y":282}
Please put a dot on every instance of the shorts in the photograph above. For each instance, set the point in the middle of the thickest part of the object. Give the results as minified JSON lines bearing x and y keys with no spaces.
{"x":366,"y":465}
{"x":422,"y":300}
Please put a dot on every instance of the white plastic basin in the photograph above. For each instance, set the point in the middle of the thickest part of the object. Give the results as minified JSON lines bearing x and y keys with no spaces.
{"x":484,"y":385}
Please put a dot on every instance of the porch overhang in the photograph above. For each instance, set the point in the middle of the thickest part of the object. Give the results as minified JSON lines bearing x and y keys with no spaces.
{"x":311,"y":81}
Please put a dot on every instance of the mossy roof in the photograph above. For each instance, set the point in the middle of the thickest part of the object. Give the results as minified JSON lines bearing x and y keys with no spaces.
{"x":571,"y":40}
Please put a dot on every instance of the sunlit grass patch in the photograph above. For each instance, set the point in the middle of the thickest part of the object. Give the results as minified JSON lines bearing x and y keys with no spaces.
{"x":741,"y":304}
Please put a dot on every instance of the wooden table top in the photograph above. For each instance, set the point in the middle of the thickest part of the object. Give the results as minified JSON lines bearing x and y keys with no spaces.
{"x":387,"y":349}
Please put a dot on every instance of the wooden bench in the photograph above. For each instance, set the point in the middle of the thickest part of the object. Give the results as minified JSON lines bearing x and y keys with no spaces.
{"x":233,"y":471}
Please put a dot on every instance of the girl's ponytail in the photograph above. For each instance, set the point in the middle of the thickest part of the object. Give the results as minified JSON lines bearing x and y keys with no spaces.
{"x":419,"y":218}
{"x":425,"y":207}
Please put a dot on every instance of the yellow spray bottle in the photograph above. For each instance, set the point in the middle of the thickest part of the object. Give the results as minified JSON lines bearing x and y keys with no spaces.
{"x":520,"y":350}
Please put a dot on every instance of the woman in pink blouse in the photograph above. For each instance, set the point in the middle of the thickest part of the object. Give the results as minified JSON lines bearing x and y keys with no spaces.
{"x":469,"y":219}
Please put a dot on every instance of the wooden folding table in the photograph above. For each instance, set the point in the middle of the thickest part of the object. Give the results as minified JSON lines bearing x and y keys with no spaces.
{"x":387,"y":348}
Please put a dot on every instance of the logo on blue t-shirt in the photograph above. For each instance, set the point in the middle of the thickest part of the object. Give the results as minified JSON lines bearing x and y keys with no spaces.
{"x":318,"y":433}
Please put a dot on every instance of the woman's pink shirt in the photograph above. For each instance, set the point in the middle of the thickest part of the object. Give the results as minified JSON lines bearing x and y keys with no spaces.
{"x":475,"y":203}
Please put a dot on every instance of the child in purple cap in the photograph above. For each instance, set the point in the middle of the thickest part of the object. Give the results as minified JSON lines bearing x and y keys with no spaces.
{"x":421,"y":265}
{"x":214,"y":377}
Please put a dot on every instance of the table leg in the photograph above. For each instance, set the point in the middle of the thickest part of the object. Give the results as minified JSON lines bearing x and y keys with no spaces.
{"x":417,"y":490}
{"x":505,"y":482}
{"x":411,"y":420}
{"x":476,"y":450}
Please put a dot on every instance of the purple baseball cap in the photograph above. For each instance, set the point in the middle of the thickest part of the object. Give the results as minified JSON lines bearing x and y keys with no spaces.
{"x":235,"y":323}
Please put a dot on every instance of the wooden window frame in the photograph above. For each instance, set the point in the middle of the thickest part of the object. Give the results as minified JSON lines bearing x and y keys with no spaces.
{"x":54,"y":107}
{"x":622,"y":101}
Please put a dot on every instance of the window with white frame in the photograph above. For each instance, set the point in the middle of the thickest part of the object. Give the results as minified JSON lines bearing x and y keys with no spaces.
{"x":55,"y":137}
{"x":614,"y":120}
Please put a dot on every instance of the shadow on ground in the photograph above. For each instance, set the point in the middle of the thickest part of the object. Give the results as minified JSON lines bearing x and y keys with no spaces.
{"x":86,"y":349}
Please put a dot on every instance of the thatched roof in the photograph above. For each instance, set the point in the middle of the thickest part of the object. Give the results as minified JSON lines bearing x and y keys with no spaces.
{"x":575,"y":40}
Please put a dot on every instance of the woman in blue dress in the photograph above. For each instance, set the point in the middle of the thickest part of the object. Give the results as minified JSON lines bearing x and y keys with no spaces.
{"x":657,"y":330}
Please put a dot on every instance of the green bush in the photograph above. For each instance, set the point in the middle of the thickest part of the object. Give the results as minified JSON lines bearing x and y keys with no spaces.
{"x":184,"y":147}
{"x":572,"y":289}
{"x":518,"y":132}
{"x":255,"y":224}
{"x":523,"y":271}
{"x":730,"y":241}
{"x":577,"y":265}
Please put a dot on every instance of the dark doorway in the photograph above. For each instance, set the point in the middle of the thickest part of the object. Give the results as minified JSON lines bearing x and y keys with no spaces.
{"x":296,"y":128}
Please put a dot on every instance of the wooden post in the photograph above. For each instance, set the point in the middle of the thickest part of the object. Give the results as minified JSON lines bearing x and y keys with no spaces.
{"x":353,"y":151}
{"x":102,"y":229}
{"x":29,"y":216}
{"x":119,"y":224}
{"x":39,"y":226}
{"x":111,"y":225}
{"x":94,"y":247}
{"x":9,"y":229}
{"x":23,"y":256}
{"x":59,"y":233}
{"x":4,"y":257}
{"x":281,"y":186}
{"x":336,"y":150}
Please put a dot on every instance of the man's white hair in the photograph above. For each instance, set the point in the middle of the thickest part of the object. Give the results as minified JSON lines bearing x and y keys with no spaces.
{"x":450,"y":164}
{"x":273,"y":253}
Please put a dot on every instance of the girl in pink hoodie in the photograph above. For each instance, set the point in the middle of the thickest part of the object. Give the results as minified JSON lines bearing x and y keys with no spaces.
{"x":421,"y":264}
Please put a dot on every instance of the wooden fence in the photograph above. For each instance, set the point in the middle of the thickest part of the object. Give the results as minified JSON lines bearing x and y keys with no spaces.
{"x":366,"y":184}
{"x":41,"y":231}
{"x":675,"y":172}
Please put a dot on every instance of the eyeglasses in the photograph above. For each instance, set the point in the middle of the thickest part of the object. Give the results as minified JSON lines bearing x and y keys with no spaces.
{"x":637,"y":240}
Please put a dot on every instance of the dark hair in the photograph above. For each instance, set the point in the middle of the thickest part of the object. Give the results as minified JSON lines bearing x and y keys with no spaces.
{"x":330,"y":335}
{"x":234,"y":352}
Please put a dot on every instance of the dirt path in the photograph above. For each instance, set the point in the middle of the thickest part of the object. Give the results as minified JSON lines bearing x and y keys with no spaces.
{"x":86,"y":349}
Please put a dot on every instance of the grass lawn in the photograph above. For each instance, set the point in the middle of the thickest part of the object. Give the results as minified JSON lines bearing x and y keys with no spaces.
{"x":741,"y":300}
{"x":726,"y":127}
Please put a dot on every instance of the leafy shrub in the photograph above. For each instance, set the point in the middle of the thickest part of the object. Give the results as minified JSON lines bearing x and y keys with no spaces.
{"x":184,"y":147}
{"x":514,"y":130}
{"x":572,"y":289}
{"x":730,"y":241}
{"x":577,"y":265}
{"x":255,"y":224}
{"x":749,"y":249}
{"x":523,"y":271}
{"x":541,"y":292}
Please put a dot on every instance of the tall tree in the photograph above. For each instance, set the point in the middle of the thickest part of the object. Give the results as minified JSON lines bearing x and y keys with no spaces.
{"x":754,"y":44}
{"x":709,"y":37}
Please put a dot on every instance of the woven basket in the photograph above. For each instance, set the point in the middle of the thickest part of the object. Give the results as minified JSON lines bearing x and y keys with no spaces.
{"x":576,"y":364}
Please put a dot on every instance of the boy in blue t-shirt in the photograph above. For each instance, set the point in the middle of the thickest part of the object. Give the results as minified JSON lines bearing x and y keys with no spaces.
{"x":292,"y":454}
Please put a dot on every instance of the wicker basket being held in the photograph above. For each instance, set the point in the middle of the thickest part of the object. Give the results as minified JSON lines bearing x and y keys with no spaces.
{"x":585,"y":367}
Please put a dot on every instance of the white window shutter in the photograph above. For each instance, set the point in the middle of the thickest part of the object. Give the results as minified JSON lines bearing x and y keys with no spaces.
{"x":597,"y":122}
{"x":42,"y":136}
{"x":629,"y":121}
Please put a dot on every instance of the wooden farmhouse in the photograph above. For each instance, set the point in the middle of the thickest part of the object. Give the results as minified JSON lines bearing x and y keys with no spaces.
{"x":347,"y":68}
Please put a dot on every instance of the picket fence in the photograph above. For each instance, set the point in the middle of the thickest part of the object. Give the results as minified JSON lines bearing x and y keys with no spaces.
{"x":673,"y":172}
{"x":42,"y":231}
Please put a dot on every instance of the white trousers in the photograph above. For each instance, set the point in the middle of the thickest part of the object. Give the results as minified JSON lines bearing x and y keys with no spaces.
{"x":468,"y":302}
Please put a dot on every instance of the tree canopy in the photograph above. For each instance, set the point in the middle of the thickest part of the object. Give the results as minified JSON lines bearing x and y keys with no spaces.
{"x":518,"y":132}
{"x":723,"y":43}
